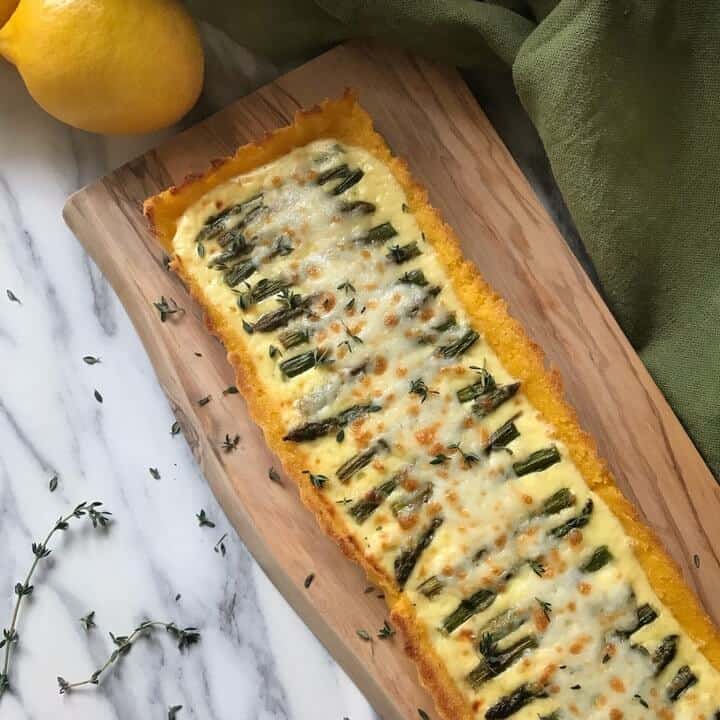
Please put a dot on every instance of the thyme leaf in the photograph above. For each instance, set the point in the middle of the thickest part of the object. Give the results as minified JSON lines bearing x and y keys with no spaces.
{"x":203,"y":520}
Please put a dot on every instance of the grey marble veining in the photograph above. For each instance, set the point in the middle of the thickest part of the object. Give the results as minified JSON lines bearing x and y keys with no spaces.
{"x":256,"y":659}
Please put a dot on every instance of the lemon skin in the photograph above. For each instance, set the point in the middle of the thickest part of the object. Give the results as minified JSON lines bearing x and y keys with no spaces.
{"x":107,"y":66}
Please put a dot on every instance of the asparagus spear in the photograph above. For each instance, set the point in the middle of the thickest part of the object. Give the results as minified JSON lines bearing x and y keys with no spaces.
{"x":684,"y":679}
{"x":405,"y":562}
{"x":503,"y":624}
{"x":503,"y":436}
{"x":292,"y":338}
{"x":279,"y":318}
{"x":577,"y":522}
{"x":352,"y":179}
{"x":645,"y":614}
{"x":469,"y":606}
{"x":372,"y":500}
{"x":402,"y":253}
{"x":537,"y":462}
{"x":413,"y":502}
{"x":431,"y":587}
{"x":217,"y":223}
{"x":483,"y":384}
{"x":237,"y":273}
{"x":262,"y":290}
{"x":299,"y":364}
{"x":508,"y":705}
{"x":557,"y":502}
{"x":357,"y":462}
{"x":236,"y":248}
{"x":446,"y":324}
{"x":433,"y":292}
{"x":458,"y":347}
{"x":335,"y":173}
{"x":359,"y":206}
{"x":313,"y":430}
{"x":413,"y":277}
{"x":599,"y":559}
{"x":379,"y":233}
{"x":665,"y":653}
{"x":486,"y":402}
{"x":497,"y":661}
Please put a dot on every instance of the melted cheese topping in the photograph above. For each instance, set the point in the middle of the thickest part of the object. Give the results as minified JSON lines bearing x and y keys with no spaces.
{"x":516,"y":601}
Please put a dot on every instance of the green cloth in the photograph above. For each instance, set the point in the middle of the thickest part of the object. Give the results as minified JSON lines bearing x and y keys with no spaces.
{"x":625,"y":96}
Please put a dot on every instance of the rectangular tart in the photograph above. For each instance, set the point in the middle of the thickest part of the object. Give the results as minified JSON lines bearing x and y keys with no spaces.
{"x":426,"y":435}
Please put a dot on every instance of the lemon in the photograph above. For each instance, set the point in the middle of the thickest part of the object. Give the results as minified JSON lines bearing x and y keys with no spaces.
{"x":108,"y":66}
{"x":6,"y":9}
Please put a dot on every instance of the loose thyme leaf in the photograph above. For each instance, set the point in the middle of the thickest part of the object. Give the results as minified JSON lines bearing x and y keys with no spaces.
{"x":203,"y":520}
{"x":88,"y":620}
{"x":52,"y":485}
{"x":308,"y":580}
{"x":173,"y":711}
{"x":91,"y":360}
{"x":419,"y":388}
{"x":175,"y":428}
{"x":204,"y":401}
{"x":422,"y":714}
{"x":167,"y":307}
{"x":274,"y":476}
{"x":386,"y":631}
{"x":98,"y":396}
{"x":230,"y":390}
{"x":12,"y":297}
{"x":155,"y":473}
{"x":364,"y":635}
{"x":318,"y":481}
{"x":230,"y":443}
{"x":219,"y":546}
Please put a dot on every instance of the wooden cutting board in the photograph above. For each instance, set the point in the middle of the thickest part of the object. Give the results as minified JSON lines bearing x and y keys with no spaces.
{"x":428,"y":116}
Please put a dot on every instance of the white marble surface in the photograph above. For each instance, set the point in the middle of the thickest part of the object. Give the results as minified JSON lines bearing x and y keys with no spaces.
{"x":256,"y":659}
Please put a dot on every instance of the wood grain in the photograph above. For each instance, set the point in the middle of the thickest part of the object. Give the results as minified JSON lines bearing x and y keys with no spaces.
{"x":427,"y":115}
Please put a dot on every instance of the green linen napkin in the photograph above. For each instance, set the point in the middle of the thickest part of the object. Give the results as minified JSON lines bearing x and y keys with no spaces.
{"x":625,"y":96}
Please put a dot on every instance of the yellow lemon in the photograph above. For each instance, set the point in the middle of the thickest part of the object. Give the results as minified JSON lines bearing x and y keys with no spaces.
{"x":108,"y":66}
{"x":6,"y":9}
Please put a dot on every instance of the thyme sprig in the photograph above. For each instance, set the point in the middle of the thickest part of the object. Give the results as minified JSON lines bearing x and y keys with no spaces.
{"x":230,"y":443}
{"x":99,"y":519}
{"x":419,"y":388}
{"x":185,"y":637}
